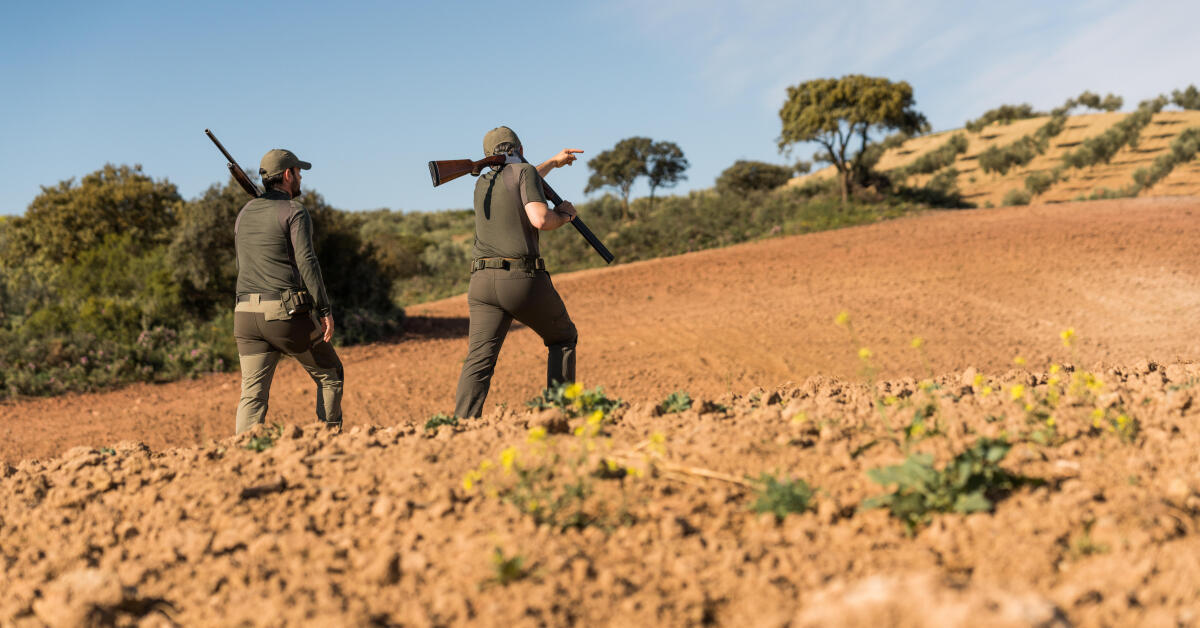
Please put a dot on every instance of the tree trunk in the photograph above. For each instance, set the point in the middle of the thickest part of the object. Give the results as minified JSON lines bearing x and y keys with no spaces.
{"x":845,"y":186}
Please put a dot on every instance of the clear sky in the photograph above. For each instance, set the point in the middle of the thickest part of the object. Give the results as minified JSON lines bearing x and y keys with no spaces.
{"x":371,"y":91}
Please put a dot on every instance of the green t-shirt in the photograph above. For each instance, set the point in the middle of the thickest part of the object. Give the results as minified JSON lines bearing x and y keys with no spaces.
{"x":502,"y":229}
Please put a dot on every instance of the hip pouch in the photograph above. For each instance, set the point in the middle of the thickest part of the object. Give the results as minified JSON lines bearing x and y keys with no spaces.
{"x":295,"y":301}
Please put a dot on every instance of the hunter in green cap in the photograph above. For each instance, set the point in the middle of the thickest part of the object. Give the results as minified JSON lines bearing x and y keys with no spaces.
{"x":282,"y":307}
{"x":508,"y":275}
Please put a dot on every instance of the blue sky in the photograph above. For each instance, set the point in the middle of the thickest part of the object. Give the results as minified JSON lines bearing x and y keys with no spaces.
{"x":370,"y":91}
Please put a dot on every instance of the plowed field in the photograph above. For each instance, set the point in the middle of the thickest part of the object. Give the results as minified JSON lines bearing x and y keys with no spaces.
{"x":376,"y":525}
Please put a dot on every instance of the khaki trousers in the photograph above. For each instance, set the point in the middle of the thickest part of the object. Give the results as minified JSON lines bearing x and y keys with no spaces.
{"x":496,"y":297}
{"x":264,"y":333}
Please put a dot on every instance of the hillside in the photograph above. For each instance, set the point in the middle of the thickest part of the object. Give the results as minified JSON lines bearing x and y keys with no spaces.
{"x":989,"y":189}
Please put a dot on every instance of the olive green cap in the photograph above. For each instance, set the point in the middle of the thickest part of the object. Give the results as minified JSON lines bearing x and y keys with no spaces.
{"x":498,"y":136}
{"x":279,"y":159}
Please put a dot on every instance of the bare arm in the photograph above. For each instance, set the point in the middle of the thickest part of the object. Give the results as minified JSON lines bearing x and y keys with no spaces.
{"x":546,"y":219}
{"x":565,"y":157}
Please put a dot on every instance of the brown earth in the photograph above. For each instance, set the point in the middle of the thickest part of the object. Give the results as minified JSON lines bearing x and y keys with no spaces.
{"x":376,"y":526}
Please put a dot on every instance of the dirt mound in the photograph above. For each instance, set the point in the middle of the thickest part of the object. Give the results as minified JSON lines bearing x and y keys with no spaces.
{"x":980,"y":286}
{"x":635,"y":515}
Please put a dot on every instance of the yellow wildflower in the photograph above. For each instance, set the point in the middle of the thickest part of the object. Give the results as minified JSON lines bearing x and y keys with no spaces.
{"x":633,"y":472}
{"x":1019,"y":361}
{"x":987,"y":390}
{"x":1067,"y":336}
{"x":573,"y":391}
{"x":1050,"y":421}
{"x":658,"y":443}
{"x":842,"y":319}
{"x":865,"y":354}
{"x":978,"y":381}
{"x":508,"y":458}
{"x":917,"y":342}
{"x":1017,"y":392}
{"x":799,"y":418}
{"x":1054,"y":368}
{"x":536,"y":435}
{"x":596,"y":418}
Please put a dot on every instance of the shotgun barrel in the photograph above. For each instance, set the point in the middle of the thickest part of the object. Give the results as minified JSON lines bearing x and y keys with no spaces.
{"x":239,"y":175}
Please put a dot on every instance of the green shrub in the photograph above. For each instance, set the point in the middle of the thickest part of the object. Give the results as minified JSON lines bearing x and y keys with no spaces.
{"x":675,"y":402}
{"x":440,"y":419}
{"x":781,"y":497}
{"x":1101,"y":148}
{"x":971,"y":482}
{"x":937,"y":158}
{"x":576,"y":401}
{"x":1038,"y":182}
{"x":1004,"y":114}
{"x":1016,"y":197}
{"x":744,"y":176}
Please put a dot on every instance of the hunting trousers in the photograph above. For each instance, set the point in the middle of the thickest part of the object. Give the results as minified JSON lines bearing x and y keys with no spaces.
{"x":496,"y":297}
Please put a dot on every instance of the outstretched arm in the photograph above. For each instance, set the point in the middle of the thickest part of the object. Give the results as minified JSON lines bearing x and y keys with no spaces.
{"x":565,"y":157}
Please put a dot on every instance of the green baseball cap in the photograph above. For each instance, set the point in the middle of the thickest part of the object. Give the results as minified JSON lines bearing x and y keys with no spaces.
{"x":498,"y":136}
{"x":279,"y":159}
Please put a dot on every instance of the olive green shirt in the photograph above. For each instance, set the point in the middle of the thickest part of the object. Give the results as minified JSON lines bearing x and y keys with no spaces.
{"x":263,"y":230}
{"x":502,"y":228}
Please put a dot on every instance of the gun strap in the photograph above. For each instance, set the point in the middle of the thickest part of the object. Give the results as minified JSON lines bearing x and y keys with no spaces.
{"x":512,"y":181}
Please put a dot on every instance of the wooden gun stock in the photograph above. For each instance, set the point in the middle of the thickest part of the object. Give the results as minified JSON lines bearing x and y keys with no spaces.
{"x":239,"y":175}
{"x":451,"y":169}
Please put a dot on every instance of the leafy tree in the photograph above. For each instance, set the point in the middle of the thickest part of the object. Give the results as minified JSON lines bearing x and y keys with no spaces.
{"x":835,"y":112}
{"x":1187,"y":99}
{"x":665,"y":166}
{"x":69,"y":218}
{"x":662,"y":163}
{"x":745,"y":175}
{"x":619,"y":168}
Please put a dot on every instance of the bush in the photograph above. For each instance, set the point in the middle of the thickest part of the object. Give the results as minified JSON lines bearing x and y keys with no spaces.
{"x":1041,"y":181}
{"x":971,"y":482}
{"x":1101,"y":148}
{"x":744,"y":176}
{"x":781,"y":497}
{"x":1004,"y":114}
{"x":937,"y":158}
{"x":1016,"y":197}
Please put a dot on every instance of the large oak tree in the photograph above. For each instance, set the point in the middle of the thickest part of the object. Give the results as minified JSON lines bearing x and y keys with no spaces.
{"x":836,"y":112}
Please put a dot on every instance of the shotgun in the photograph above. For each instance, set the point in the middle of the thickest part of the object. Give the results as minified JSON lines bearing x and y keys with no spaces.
{"x":239,"y":175}
{"x":450,"y":169}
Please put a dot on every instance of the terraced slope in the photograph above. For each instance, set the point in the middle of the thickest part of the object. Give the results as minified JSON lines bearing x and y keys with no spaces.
{"x":989,"y":189}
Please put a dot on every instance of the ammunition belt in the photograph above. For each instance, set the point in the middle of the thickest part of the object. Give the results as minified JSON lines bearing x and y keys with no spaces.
{"x":508,"y":263}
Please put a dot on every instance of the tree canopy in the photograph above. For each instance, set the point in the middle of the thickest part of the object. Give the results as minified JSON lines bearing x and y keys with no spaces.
{"x":662,"y":163}
{"x":835,"y":112}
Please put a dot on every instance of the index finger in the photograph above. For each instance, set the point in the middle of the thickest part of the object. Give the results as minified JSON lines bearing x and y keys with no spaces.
{"x":572,"y":150}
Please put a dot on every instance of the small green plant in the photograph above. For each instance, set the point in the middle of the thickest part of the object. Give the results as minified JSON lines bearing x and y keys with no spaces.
{"x":439,"y":420}
{"x":574,"y":400}
{"x":968,"y":483}
{"x":506,"y":570}
{"x":266,"y":439}
{"x":107,"y":451}
{"x":1084,"y":545}
{"x":781,"y":497}
{"x":675,"y":402}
